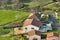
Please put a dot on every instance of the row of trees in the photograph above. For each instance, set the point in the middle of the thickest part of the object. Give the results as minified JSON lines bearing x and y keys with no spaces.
{"x":18,"y":4}
{"x":10,"y":4}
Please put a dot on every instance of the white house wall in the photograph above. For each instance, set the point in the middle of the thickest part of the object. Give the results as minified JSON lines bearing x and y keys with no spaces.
{"x":29,"y":28}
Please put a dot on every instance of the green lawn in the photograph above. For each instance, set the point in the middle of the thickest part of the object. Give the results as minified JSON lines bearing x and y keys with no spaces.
{"x":10,"y":15}
{"x":8,"y":38}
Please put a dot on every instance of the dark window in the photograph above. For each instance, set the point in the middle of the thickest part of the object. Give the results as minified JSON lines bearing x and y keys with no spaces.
{"x":35,"y":39}
{"x":32,"y":28}
{"x":54,"y":39}
{"x":26,"y":28}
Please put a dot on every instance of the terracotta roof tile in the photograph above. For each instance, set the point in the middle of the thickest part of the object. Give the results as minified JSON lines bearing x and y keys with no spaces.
{"x":27,"y":22}
{"x":52,"y":34}
{"x":32,"y":22}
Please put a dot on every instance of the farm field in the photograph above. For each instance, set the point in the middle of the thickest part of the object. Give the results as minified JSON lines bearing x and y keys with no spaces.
{"x":10,"y":15}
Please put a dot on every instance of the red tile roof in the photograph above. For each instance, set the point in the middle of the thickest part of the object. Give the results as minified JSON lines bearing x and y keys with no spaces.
{"x":52,"y":34}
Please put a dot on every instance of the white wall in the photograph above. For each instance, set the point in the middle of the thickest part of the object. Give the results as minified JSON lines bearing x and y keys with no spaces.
{"x":29,"y":28}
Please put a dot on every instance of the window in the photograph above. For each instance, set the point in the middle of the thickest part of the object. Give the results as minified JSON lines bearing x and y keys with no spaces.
{"x":32,"y":28}
{"x":26,"y":28}
{"x":35,"y":39}
{"x":53,"y":39}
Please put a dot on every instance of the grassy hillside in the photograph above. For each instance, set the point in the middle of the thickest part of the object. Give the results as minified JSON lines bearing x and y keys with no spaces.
{"x":10,"y":15}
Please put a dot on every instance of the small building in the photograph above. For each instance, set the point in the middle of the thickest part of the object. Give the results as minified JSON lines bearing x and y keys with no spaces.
{"x":31,"y":24}
{"x":45,"y":28}
{"x":34,"y":35}
{"x":52,"y":36}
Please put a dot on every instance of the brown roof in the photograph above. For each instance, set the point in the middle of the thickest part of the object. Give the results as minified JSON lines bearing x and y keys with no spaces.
{"x":58,"y":0}
{"x":31,"y":14}
{"x":34,"y":32}
{"x":35,"y":16}
{"x":52,"y":34}
{"x":31,"y":22}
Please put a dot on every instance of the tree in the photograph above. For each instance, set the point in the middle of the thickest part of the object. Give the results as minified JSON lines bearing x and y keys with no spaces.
{"x":15,"y":4}
{"x":35,"y":5}
{"x":3,"y":3}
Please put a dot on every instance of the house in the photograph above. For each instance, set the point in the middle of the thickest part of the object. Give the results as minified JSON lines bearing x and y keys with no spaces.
{"x":34,"y":35}
{"x":31,"y":24}
{"x":36,"y":16}
{"x":52,"y":36}
{"x":45,"y":27}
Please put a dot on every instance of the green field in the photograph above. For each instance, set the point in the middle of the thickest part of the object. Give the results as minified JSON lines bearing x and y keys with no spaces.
{"x":10,"y":15}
